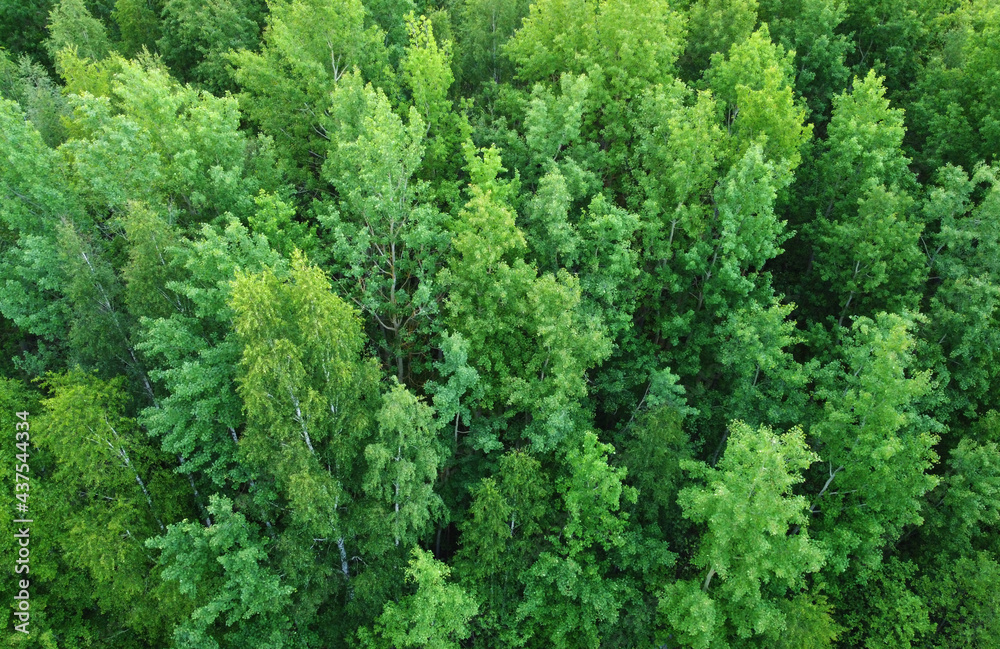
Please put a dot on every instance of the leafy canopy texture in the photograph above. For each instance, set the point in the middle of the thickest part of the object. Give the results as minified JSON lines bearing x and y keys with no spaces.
{"x":573,"y":324}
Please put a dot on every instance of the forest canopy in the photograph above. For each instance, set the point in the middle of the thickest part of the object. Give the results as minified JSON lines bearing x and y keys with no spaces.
{"x":490,"y":323}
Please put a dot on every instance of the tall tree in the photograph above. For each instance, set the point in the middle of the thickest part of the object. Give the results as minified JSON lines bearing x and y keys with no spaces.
{"x":875,"y":441}
{"x":386,"y":243}
{"x":962,"y":246}
{"x":196,"y":37}
{"x":71,"y":25}
{"x":239,"y":598}
{"x":107,"y":490}
{"x":308,"y":45}
{"x":308,"y":394}
{"x":864,"y":242}
{"x":493,"y":296}
{"x":747,"y":559}
{"x":436,"y":616}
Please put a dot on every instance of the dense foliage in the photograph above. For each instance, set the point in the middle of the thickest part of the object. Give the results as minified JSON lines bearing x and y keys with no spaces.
{"x":488,"y":323}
